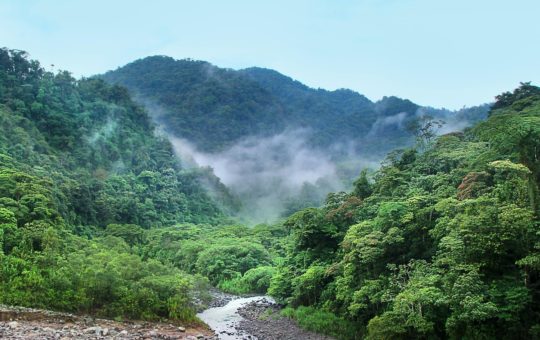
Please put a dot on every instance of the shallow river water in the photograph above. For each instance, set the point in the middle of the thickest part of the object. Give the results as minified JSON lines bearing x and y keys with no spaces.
{"x":223,"y":319}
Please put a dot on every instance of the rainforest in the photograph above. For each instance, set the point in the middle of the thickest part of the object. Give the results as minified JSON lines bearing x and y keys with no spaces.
{"x":105,"y":211}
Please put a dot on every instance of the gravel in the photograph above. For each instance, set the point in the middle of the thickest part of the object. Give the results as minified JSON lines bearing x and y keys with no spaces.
{"x":27,"y":323}
{"x":263,"y":321}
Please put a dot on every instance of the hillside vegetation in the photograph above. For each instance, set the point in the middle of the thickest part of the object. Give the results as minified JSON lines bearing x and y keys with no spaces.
{"x":443,"y":242}
{"x":84,"y":183}
{"x":277,"y":144}
{"x":98,"y":215}
{"x":214,"y":108}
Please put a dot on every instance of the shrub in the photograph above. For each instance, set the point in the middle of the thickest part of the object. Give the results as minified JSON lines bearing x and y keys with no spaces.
{"x":321,"y":321}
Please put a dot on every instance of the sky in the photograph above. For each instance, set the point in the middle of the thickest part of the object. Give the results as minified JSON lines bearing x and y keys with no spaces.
{"x":435,"y":52}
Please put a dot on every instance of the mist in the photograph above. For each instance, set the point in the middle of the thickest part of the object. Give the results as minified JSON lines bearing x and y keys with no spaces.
{"x":452,"y":121}
{"x":103,"y":132}
{"x":275,"y":176}
{"x":268,"y":173}
{"x":455,"y":121}
{"x":278,"y":175}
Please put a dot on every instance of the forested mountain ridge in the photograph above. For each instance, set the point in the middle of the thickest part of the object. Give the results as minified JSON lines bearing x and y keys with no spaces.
{"x":214,"y":107}
{"x":98,"y":216}
{"x":95,"y":140}
{"x":277,"y":144}
{"x":83,"y":176}
{"x":443,"y":242}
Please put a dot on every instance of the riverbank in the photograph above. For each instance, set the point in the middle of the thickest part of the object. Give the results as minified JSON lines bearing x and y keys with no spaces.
{"x":230,"y":317}
{"x":256,"y":317}
{"x":219,"y":298}
{"x":27,"y":323}
{"x":262,"y":320}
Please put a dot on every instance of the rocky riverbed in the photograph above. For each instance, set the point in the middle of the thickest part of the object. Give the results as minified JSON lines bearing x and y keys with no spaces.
{"x":262,"y":320}
{"x":231,"y":317}
{"x":219,"y":298}
{"x":26,"y":323}
{"x":256,"y":317}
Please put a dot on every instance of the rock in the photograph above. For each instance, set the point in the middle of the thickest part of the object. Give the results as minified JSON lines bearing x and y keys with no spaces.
{"x":191,"y":337}
{"x":89,"y":330}
{"x":124,"y":332}
{"x":200,"y":336}
{"x":13,"y":324}
{"x":152,"y":333}
{"x":182,"y":329}
{"x":96,"y":330}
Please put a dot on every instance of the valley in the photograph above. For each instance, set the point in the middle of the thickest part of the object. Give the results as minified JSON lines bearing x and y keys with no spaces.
{"x":127,"y":199}
{"x":277,"y":144}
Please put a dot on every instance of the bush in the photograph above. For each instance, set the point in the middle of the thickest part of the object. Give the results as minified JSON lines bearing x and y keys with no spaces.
{"x":280,"y":284}
{"x":224,"y":262}
{"x":258,"y":279}
{"x":324,"y":322}
{"x":236,"y":285}
{"x":255,"y":280}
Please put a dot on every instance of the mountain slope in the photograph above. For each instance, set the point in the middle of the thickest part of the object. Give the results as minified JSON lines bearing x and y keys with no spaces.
{"x":442,"y":243}
{"x":83,"y":176}
{"x":214,"y":108}
{"x":276,"y":143}
{"x":207,"y":101}
{"x":92,"y":139}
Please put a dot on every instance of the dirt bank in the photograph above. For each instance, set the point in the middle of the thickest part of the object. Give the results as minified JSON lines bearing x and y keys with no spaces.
{"x":26,"y":323}
{"x":262,"y":320}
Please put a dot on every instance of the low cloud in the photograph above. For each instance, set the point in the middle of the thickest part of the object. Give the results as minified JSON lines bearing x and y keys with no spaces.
{"x":273,"y":176}
{"x":103,"y":132}
{"x":383,"y":123}
{"x":266,"y":172}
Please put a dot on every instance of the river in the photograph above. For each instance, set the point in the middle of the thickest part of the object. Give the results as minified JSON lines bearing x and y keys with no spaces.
{"x":223,"y":319}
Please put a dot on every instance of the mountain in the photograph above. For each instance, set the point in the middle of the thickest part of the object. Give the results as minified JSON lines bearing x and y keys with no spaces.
{"x":90,"y":138}
{"x":443,"y":243}
{"x":83,"y":176}
{"x":214,"y":108}
{"x":101,"y":214}
{"x":276,"y":143}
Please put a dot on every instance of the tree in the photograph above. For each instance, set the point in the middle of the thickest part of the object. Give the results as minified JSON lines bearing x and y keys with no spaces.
{"x":424,"y":129}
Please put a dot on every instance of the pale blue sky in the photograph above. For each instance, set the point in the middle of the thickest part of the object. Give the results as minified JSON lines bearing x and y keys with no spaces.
{"x":434,"y":52}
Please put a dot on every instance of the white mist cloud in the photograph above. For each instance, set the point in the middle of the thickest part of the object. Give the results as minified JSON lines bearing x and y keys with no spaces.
{"x":104,"y":132}
{"x":382,"y":122}
{"x":266,"y":171}
{"x":453,"y":121}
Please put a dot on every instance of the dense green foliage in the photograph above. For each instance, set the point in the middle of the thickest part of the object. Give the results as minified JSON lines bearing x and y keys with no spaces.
{"x":320,"y":321}
{"x":97,"y":214}
{"x":96,"y":146}
{"x":221,"y":253}
{"x":214,"y":107}
{"x":82,"y":175}
{"x":267,"y":128}
{"x":442,"y":242}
